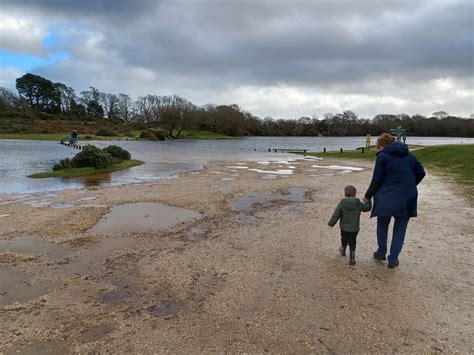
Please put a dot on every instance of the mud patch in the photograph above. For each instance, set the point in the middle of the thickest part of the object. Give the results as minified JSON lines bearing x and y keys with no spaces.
{"x":123,"y":290}
{"x":166,"y":309}
{"x":142,"y":217}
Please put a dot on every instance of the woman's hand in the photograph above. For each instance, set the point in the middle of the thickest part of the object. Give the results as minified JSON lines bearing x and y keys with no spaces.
{"x":365,"y":200}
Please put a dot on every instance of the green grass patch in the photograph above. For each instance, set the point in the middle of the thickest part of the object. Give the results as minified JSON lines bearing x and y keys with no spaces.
{"x":202,"y":135}
{"x":77,"y":172}
{"x":34,"y":136}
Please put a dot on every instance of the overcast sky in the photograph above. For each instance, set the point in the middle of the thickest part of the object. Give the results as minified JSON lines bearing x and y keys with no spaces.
{"x":284,"y":59}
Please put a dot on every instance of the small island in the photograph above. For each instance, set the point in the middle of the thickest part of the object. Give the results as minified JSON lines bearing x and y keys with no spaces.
{"x":92,"y":160}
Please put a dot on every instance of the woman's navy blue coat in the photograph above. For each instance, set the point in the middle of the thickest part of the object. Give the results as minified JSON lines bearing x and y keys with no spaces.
{"x":393,"y":185}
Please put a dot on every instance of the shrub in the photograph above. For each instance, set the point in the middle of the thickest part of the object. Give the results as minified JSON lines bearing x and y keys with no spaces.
{"x":93,"y":157}
{"x":104,"y":131}
{"x":154,"y":135}
{"x":117,"y":152}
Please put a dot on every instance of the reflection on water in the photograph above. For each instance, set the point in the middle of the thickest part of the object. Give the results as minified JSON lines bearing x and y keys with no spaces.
{"x":20,"y":158}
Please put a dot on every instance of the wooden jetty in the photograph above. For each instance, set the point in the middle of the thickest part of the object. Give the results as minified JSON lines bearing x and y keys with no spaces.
{"x":287,"y":150}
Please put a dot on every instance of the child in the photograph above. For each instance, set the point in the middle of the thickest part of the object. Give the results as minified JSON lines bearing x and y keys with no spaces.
{"x":348,"y":211}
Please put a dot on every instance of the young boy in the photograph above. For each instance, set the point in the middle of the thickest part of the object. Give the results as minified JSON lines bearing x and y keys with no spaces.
{"x":348,"y":211}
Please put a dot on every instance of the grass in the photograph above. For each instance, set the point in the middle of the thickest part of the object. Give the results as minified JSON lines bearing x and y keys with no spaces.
{"x":454,"y":161}
{"x":78,"y":172}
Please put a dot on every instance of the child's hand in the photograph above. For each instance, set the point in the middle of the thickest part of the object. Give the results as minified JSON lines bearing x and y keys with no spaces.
{"x":365,"y":200}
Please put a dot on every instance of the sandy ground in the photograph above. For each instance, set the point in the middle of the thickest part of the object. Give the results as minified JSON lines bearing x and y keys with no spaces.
{"x":265,"y":278}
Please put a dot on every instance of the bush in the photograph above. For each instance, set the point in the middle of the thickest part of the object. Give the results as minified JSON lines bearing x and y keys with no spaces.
{"x":106,"y":132}
{"x":154,"y":135}
{"x":117,"y":152}
{"x":93,"y":157}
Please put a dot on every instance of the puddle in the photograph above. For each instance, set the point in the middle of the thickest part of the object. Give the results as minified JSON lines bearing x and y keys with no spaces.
{"x":207,"y":279}
{"x":38,"y":347}
{"x":267,"y":199}
{"x":38,"y":204}
{"x":166,"y":309}
{"x":237,"y":167}
{"x":86,"y":261}
{"x":34,"y":245}
{"x":5,"y":215}
{"x":18,"y":286}
{"x":87,"y":198}
{"x":295,"y":210}
{"x":197,"y":233}
{"x":337,"y":167}
{"x":246,"y":218}
{"x":275,"y":172}
{"x":270,"y":177}
{"x":141,"y":217}
{"x":228,"y":178}
{"x":97,"y":332}
{"x":62,"y":205}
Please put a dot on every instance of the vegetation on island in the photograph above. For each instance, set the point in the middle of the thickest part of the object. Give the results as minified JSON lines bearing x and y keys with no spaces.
{"x":92,"y":160}
{"x":43,"y":107}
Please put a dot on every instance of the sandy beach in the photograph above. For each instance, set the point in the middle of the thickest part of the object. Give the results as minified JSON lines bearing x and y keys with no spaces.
{"x":248,"y":265}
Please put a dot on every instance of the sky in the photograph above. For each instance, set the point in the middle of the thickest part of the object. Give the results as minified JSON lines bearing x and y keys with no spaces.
{"x":284,"y":59}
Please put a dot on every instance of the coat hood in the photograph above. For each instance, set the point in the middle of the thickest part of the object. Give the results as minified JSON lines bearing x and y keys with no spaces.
{"x":350,"y":203}
{"x":396,"y":149}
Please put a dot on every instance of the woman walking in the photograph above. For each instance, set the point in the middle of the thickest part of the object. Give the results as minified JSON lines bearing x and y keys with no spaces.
{"x":396,"y":174}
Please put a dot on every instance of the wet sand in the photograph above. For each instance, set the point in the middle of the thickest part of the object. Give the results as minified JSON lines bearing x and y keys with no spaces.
{"x":250,"y":265}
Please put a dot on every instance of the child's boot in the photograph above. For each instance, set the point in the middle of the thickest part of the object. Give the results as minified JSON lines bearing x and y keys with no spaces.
{"x":342,"y":250}
{"x":352,"y":257}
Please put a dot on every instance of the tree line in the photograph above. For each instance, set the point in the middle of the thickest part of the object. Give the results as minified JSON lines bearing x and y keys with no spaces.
{"x":174,"y":113}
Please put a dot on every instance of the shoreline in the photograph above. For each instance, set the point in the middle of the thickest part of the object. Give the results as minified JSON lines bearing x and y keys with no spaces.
{"x":258,"y":270}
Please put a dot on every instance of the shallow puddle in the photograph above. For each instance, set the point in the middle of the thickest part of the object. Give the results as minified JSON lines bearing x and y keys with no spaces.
{"x":57,"y":346}
{"x":34,"y":245}
{"x":207,"y":279}
{"x":337,"y":167}
{"x":166,"y":309}
{"x":97,"y":332}
{"x":86,"y":262}
{"x":267,"y":199}
{"x":275,"y":172}
{"x":17,"y":286}
{"x":123,"y":290}
{"x":141,"y":217}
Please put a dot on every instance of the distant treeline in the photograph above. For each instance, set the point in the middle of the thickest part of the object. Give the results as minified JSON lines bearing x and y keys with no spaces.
{"x":48,"y":100}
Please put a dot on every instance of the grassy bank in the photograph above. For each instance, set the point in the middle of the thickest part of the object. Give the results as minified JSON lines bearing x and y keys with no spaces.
{"x":454,"y":161}
{"x":77,"y":172}
{"x":202,"y":135}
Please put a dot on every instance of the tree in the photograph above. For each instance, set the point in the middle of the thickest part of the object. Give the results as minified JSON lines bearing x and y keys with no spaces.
{"x":8,"y":100}
{"x":440,"y":114}
{"x":124,"y":106}
{"x":67,"y":97}
{"x":40,"y":93}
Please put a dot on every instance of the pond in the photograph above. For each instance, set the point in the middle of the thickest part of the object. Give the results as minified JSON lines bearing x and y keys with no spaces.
{"x":20,"y":158}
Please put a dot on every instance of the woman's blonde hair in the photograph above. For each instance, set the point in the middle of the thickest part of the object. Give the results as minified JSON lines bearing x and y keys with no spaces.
{"x":383,"y":140}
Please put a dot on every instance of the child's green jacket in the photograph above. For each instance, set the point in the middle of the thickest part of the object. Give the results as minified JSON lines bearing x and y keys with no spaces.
{"x":348,"y":211}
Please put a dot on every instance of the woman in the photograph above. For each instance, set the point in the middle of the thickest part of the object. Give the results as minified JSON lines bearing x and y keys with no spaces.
{"x":396,"y":174}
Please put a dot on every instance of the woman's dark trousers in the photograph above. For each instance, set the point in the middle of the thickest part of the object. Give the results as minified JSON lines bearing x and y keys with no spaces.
{"x":399,"y":230}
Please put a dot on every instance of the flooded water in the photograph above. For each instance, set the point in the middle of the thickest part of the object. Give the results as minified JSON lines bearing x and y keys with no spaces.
{"x":17,"y":285}
{"x":141,"y":217}
{"x":20,"y":158}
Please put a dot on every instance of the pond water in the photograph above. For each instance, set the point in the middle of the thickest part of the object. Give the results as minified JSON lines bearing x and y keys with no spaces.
{"x":20,"y":158}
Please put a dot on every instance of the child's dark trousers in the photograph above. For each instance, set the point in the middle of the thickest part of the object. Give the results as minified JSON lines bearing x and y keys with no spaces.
{"x":349,"y":238}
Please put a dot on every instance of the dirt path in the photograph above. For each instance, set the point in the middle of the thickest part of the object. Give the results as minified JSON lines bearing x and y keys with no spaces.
{"x":243,"y":277}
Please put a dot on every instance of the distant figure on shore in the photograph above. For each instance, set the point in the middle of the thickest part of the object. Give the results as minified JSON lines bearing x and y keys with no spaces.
{"x":396,"y":174}
{"x":348,"y":212}
{"x":73,"y":137}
